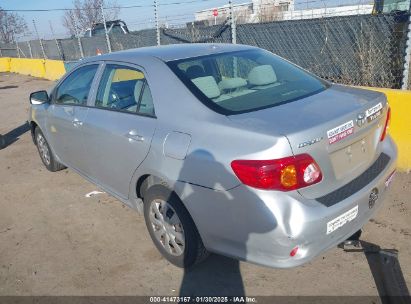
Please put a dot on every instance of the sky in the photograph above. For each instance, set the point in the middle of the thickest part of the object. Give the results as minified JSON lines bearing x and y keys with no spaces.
{"x":136,"y":18}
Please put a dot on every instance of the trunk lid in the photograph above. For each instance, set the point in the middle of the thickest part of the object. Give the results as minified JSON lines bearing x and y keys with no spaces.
{"x":339,"y":127}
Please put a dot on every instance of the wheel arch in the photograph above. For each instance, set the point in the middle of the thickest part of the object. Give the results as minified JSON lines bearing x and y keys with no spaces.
{"x":146,"y":181}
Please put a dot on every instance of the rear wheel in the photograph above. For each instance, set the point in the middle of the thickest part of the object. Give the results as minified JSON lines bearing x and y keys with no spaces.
{"x":46,"y":155}
{"x":171,"y":228}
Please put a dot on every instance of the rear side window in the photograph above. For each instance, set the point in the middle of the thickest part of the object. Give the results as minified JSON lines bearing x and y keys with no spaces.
{"x":124,"y":89}
{"x":238,"y":82}
{"x":76,"y":87}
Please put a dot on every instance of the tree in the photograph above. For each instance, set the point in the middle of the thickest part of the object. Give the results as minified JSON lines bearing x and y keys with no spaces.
{"x":86,"y":13}
{"x":11,"y":24}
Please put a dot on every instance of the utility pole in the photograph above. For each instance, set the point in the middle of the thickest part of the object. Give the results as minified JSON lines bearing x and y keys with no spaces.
{"x":30,"y":51}
{"x":157,"y":22}
{"x":78,"y":37}
{"x":38,"y":37}
{"x":406,"y":73}
{"x":105,"y":28}
{"x":55,"y":40}
{"x":232,"y":23}
{"x":233,"y":36}
{"x":15,"y":41}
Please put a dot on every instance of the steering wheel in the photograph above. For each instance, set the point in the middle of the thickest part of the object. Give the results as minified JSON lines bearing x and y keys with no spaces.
{"x":114,"y":98}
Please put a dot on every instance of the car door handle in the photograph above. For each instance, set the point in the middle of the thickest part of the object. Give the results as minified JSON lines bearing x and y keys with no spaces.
{"x":133,"y":135}
{"x":77,"y":123}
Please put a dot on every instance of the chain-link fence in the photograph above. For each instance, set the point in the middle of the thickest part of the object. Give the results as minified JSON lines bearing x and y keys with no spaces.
{"x":357,"y":49}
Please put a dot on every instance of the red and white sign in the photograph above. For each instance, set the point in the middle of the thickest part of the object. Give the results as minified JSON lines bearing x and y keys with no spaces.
{"x":215,"y":12}
{"x":338,"y":133}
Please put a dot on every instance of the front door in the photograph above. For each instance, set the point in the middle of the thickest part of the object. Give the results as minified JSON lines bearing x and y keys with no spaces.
{"x":67,"y":114}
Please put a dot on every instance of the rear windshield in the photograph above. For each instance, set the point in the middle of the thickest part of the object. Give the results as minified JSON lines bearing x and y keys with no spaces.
{"x":245,"y":81}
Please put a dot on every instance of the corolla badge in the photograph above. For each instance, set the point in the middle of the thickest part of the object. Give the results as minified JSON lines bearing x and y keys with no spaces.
{"x":310,"y":142}
{"x":361,"y":119}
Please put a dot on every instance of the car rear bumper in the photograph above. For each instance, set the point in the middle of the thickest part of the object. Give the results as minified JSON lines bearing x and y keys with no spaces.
{"x":263,"y":227}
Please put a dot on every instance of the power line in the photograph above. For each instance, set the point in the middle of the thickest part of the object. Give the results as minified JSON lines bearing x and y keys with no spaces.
{"x":72,"y":9}
{"x":97,"y":8}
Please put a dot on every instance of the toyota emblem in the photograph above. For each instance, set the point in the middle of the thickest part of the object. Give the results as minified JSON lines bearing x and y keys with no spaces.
{"x":360,"y":119}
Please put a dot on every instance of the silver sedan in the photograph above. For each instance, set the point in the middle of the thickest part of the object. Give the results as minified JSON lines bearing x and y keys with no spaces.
{"x":224,"y":148}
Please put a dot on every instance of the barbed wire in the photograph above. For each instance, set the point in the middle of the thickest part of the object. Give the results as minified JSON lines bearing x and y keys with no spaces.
{"x":106,"y":8}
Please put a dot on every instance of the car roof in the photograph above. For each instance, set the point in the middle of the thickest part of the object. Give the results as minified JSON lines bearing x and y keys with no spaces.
{"x":118,"y":21}
{"x":173,"y":51}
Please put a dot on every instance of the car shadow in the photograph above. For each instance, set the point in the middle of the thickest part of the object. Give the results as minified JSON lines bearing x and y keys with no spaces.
{"x":13,"y":135}
{"x":386,"y":271}
{"x":8,"y":87}
{"x":216,"y":276}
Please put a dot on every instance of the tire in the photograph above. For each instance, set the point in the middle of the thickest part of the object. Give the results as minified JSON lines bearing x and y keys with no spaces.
{"x":177,"y":229}
{"x":46,"y":154}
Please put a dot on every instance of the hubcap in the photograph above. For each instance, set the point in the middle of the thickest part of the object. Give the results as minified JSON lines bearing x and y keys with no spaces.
{"x":43,"y":149}
{"x":167,"y":227}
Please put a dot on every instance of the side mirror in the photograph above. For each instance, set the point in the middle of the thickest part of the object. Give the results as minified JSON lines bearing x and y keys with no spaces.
{"x":39,"y":97}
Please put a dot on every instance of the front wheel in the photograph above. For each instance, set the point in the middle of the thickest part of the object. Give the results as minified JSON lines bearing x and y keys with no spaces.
{"x":46,"y":155}
{"x":171,"y":228}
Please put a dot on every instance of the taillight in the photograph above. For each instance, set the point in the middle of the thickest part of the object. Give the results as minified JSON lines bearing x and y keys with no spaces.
{"x":386,"y":126}
{"x":282,"y":174}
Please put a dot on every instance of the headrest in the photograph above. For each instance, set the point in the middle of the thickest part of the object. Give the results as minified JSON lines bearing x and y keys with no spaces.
{"x":262,"y":75}
{"x":207,"y":85}
{"x":195,"y":71}
{"x":232,"y":83}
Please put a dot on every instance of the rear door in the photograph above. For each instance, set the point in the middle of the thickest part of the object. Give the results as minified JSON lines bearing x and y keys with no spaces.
{"x":119,"y":127}
{"x":67,"y":113}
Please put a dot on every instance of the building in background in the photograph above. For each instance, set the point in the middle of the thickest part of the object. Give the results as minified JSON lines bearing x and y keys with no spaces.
{"x":249,"y":12}
{"x":276,"y":10}
{"x":326,"y":11}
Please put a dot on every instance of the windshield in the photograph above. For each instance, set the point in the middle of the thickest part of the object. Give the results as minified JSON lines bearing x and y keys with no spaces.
{"x":239,"y":82}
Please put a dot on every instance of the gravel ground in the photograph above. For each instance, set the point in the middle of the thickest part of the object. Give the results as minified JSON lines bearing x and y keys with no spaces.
{"x":56,"y":241}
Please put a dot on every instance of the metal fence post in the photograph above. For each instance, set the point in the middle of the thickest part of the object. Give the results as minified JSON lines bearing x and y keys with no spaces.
{"x":406,"y":73}
{"x":41,"y":42}
{"x":80,"y":46}
{"x":105,"y":28}
{"x":31,"y":53}
{"x":55,"y":40}
{"x":232,"y":24}
{"x":17,"y":45}
{"x":157,"y":22}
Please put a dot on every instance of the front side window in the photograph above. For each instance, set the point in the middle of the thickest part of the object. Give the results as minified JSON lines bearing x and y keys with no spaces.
{"x":76,"y":87}
{"x":244,"y":81}
{"x":116,"y":29}
{"x":100,"y":31}
{"x":124,"y":89}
